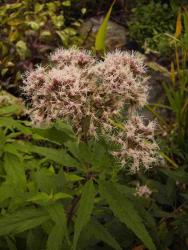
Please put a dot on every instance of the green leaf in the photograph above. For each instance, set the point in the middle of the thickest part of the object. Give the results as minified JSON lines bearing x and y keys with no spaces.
{"x":15,"y":170}
{"x":44,"y":198}
{"x":15,"y":183}
{"x":9,"y":122}
{"x":45,"y":34}
{"x":38,"y":7}
{"x":59,"y":231}
{"x":35,"y":239}
{"x":73,"y":177}
{"x":125,"y":212}
{"x":60,"y":195}
{"x":11,"y":244}
{"x":99,"y":232}
{"x":21,"y":221}
{"x":6,"y":191}
{"x":4,"y":71}
{"x":34,"y":25}
{"x":177,"y":175}
{"x":48,"y":182}
{"x":22,"y":49}
{"x":11,"y":109}
{"x":101,"y":34}
{"x":40,"y":197}
{"x":59,"y":132}
{"x":84,"y":210}
{"x":13,"y":6}
{"x":57,"y":155}
{"x":55,"y":239}
{"x":66,"y":3}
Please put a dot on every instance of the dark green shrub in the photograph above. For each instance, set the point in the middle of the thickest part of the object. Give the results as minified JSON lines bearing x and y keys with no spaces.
{"x":148,"y":23}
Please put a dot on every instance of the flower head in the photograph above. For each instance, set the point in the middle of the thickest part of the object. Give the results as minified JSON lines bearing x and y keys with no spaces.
{"x":137,"y":144}
{"x":143,"y":191}
{"x":73,"y":56}
{"x":121,"y":75}
{"x":34,"y":80}
{"x":89,"y":94}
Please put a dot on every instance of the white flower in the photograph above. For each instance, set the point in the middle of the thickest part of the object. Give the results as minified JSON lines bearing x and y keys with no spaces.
{"x":143,"y":191}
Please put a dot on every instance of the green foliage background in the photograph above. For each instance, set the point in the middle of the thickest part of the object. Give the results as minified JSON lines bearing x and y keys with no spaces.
{"x":30,"y":30}
{"x":149,"y":22}
{"x":59,"y":193}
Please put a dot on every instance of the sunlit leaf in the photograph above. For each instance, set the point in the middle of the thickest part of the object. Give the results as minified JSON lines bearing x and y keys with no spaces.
{"x":101,"y":34}
{"x":178,"y":25}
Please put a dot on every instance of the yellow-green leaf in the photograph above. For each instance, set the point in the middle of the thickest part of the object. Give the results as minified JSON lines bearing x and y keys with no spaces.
{"x":101,"y":34}
{"x":21,"y":49}
{"x":172,"y":73}
{"x":178,"y":25}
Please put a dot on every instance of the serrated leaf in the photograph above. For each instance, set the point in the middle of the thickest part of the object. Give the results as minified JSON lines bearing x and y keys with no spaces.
{"x":22,"y":220}
{"x":15,"y":170}
{"x":84,"y":210}
{"x":15,"y":182}
{"x":99,"y":232}
{"x":10,"y":123}
{"x":125,"y":212}
{"x":48,"y":182}
{"x":57,"y":155}
{"x":59,"y":231}
{"x":59,"y":132}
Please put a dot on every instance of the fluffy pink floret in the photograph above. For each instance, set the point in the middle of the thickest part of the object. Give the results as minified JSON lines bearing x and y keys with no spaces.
{"x":137,"y":144}
{"x":143,"y":191}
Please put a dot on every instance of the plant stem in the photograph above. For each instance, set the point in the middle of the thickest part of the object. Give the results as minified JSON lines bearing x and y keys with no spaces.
{"x":73,"y":208}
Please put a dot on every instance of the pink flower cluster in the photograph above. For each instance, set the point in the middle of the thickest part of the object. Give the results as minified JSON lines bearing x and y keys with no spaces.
{"x":143,"y":191}
{"x":89,"y":93}
{"x":137,"y":144}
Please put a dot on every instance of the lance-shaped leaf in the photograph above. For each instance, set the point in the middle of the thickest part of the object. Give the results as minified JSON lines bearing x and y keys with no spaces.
{"x":22,"y":220}
{"x":101,"y":34}
{"x":124,"y":210}
{"x":84,"y":210}
{"x":99,"y":232}
{"x":59,"y":231}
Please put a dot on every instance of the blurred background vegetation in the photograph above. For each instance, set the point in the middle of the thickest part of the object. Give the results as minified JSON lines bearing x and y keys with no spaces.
{"x":30,"y":29}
